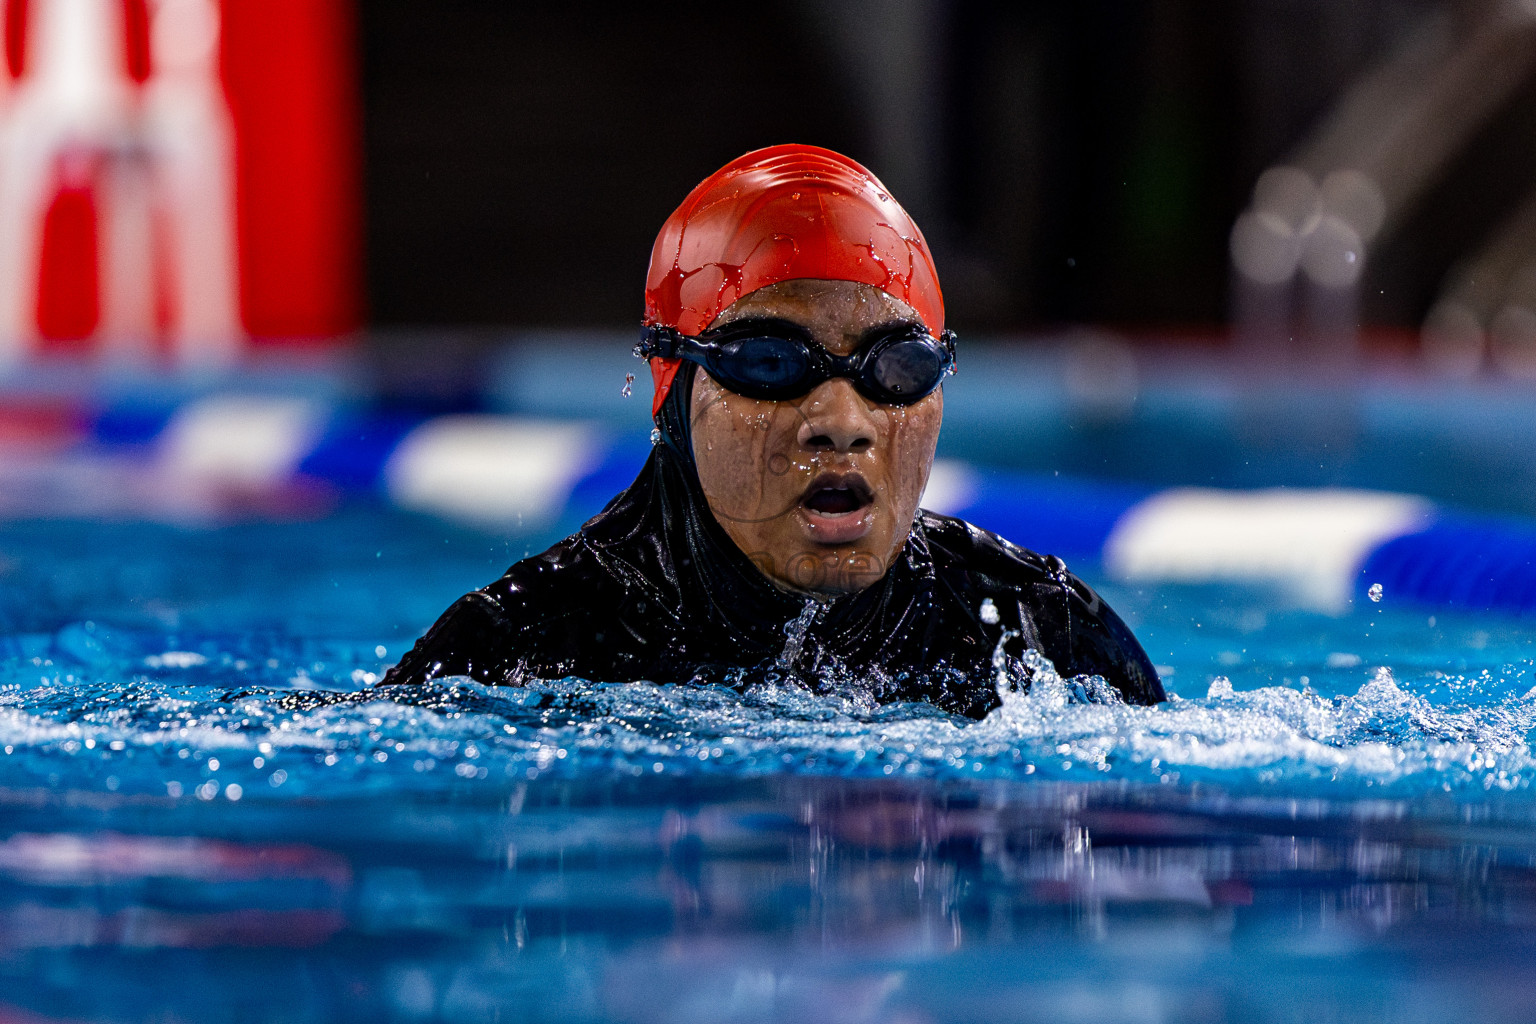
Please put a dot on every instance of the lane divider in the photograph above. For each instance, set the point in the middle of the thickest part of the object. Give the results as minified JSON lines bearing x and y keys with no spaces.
{"x":491,"y":468}
{"x":1310,"y":542}
{"x":1322,"y":548}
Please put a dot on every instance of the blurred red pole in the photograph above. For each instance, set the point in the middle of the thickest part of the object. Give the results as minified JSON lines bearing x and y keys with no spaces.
{"x":68,"y":308}
{"x":290,"y":71}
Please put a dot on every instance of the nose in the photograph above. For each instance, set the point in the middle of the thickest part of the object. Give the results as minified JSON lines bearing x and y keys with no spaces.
{"x":837,"y":419}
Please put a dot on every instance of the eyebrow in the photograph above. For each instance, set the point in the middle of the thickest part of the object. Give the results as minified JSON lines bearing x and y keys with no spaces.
{"x":898,"y":322}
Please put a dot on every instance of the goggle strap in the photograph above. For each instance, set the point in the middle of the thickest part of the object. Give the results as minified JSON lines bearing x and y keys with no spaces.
{"x":658,"y":342}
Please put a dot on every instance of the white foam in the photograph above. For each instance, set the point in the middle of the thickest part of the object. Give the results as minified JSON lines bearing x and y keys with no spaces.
{"x":1384,"y":734}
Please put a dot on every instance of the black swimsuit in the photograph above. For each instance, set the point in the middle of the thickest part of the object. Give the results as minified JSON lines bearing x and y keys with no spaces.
{"x":653,"y":589}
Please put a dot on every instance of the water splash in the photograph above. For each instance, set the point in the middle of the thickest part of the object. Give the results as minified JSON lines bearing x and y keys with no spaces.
{"x":195,"y":740}
{"x":1002,"y":675}
{"x":795,"y":632}
{"x":629,"y":386}
{"x":92,"y":708}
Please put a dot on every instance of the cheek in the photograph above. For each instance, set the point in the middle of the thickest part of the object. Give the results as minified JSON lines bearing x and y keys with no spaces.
{"x":741,"y":452}
{"x":914,"y":433}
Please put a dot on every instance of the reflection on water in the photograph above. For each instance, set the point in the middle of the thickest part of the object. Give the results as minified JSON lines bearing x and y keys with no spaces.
{"x":666,"y":899}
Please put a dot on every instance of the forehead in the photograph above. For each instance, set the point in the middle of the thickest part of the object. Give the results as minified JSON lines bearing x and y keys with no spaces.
{"x":836,"y":313}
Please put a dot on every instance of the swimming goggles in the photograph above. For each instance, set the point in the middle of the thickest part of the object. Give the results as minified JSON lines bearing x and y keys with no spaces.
{"x":776,"y":359}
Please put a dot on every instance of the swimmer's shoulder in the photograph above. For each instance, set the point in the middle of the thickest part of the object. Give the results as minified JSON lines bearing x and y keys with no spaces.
{"x":567,"y":579}
{"x":996,"y":562}
{"x":1098,"y":641}
{"x":531,"y":617}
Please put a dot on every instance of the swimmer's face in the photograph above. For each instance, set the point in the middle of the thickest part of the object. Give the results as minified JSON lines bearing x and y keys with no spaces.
{"x":818,"y":491}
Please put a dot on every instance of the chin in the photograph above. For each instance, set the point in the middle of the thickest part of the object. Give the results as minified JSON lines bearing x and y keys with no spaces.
{"x":835,"y":568}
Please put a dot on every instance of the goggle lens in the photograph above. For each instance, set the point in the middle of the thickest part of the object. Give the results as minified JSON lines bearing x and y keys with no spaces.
{"x":763,"y":366}
{"x":908,"y":369}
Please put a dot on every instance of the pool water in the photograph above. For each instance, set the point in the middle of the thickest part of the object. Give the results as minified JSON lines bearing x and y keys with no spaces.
{"x":209,"y":812}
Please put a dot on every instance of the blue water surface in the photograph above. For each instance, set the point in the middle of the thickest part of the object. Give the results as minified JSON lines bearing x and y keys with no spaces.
{"x":208,"y":811}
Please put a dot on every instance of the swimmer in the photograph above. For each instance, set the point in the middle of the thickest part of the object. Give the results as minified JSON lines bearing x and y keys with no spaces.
{"x":795,"y":334}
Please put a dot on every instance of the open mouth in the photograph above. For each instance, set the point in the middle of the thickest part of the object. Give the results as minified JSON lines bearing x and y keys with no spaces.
{"x":833,"y":495}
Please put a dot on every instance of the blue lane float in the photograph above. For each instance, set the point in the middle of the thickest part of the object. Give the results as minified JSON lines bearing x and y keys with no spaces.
{"x":1323,"y":547}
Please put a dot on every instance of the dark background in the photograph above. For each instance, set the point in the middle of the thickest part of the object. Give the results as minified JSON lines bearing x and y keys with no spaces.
{"x":1069,"y":162}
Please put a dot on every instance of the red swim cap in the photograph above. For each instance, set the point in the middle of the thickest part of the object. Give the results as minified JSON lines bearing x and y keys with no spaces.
{"x":779,"y":214}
